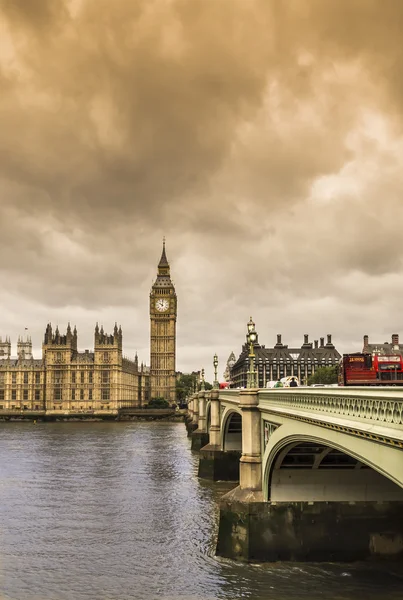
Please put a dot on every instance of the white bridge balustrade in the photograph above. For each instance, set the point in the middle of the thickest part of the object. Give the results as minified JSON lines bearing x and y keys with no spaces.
{"x":303,"y":455}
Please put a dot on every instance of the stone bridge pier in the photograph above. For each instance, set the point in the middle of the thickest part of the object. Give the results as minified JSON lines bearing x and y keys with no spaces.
{"x":200,"y":436}
{"x":217,"y":462}
{"x":192,"y":420}
{"x":241,"y":508}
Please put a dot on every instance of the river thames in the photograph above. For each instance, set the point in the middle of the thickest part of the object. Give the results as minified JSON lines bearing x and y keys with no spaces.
{"x":115,"y":511}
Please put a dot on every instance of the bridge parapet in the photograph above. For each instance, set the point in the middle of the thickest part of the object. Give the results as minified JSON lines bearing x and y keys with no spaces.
{"x":376,"y":414}
{"x":380,"y":406}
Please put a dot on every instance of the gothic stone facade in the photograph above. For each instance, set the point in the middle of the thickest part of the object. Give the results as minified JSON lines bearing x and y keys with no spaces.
{"x":22,"y":379}
{"x":281,"y":361}
{"x":163,"y":311}
{"x":66,"y":380}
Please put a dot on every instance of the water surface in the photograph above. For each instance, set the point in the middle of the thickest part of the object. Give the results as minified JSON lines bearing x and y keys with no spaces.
{"x":115,"y":511}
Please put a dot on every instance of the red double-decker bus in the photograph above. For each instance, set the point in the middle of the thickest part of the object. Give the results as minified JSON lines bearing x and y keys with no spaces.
{"x":365,"y":369}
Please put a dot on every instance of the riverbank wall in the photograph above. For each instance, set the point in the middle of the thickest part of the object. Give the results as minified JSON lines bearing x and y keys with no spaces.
{"x":156,"y":414}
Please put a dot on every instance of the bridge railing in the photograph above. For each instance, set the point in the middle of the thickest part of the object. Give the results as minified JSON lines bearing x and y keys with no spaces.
{"x":377,"y":406}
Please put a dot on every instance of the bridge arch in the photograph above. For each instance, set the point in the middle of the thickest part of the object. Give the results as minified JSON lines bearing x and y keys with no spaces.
{"x":231,"y":430}
{"x":321,"y":465}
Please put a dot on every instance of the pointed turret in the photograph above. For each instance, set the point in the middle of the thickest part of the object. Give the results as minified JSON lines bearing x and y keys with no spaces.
{"x":163,"y":265}
{"x":24,"y":348}
{"x":163,"y":260}
{"x":96,"y":334}
{"x":5,"y":348}
{"x":163,"y":274}
{"x":48,"y":334}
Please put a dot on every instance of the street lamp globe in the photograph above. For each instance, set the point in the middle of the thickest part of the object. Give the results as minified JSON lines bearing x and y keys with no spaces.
{"x":251,"y":325}
{"x":252,"y":337}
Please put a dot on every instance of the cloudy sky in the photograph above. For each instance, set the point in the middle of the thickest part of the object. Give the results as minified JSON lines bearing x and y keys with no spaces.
{"x":263,"y":138}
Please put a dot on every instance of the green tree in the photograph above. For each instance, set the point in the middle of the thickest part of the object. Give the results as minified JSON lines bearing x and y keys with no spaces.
{"x":324,"y":375}
{"x":158,"y":403}
{"x":185,"y":385}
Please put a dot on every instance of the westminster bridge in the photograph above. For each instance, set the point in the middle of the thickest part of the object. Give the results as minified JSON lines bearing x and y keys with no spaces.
{"x":320,"y":470}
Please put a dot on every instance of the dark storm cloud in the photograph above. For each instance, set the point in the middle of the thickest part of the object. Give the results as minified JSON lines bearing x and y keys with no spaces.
{"x":133,"y":103}
{"x":36,"y":16}
{"x":214,"y":122}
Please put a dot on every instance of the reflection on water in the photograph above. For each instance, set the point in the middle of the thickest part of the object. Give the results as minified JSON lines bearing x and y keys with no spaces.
{"x":114,"y":511}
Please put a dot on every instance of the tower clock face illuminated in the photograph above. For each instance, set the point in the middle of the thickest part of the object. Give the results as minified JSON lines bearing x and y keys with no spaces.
{"x":161,"y":304}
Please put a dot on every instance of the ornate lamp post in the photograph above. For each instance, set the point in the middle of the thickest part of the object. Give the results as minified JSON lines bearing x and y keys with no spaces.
{"x":251,"y":337}
{"x":202,"y":386}
{"x":216,"y":385}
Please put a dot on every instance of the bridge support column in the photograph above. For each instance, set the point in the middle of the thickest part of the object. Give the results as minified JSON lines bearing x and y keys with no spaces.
{"x":189,"y":415}
{"x":195,"y":420}
{"x":200,"y":435}
{"x":189,"y":409}
{"x":240,"y":508}
{"x":214,"y":463}
{"x":250,"y":469}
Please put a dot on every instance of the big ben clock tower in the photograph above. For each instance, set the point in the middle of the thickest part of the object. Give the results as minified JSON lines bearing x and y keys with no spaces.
{"x":163,"y":310}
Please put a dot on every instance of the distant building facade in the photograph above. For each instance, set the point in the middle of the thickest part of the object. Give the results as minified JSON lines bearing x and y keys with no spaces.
{"x":22,"y":378}
{"x":392,"y":347}
{"x":230,"y":363}
{"x":66,"y":380}
{"x":281,"y":361}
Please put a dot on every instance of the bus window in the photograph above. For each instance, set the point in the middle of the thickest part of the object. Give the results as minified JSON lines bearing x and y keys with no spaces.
{"x":368,"y":361}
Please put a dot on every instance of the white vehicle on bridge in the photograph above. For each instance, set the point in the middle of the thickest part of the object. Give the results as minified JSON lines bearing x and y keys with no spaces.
{"x":284,"y":380}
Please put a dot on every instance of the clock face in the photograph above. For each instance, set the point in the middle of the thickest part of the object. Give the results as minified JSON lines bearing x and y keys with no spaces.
{"x":161,"y":304}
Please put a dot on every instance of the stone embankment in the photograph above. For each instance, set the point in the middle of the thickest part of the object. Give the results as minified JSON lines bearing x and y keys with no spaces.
{"x":141,"y":414}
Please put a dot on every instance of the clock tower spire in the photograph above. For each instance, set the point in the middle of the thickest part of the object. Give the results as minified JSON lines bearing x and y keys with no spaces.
{"x":163,"y":311}
{"x":163,"y":265}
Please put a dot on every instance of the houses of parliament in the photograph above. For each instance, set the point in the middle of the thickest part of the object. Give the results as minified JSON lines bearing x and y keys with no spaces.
{"x":67,"y":381}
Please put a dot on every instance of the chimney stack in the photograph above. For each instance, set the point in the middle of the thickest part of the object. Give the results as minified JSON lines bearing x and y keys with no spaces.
{"x":366,"y":341}
{"x":279,"y":339}
{"x":322,"y":342}
{"x":395,"y":339}
{"x":316,"y":343}
{"x":329,"y":339}
{"x":306,"y":338}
